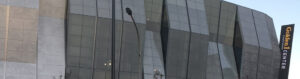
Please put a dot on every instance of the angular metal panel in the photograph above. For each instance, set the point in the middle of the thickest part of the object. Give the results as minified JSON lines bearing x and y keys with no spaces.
{"x":264,"y":64}
{"x":275,"y":48}
{"x":225,"y":40}
{"x":250,"y":48}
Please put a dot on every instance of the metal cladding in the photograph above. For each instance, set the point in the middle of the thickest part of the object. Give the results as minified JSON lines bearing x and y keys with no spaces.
{"x":179,"y":39}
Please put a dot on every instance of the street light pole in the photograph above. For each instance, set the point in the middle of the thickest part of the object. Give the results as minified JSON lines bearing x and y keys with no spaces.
{"x":113,"y":41}
{"x":129,"y":12}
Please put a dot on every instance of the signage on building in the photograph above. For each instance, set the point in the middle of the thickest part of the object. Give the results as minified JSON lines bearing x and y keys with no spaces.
{"x":286,"y":39}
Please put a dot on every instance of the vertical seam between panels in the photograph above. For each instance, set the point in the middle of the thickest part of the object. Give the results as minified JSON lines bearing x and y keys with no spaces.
{"x":66,"y":37}
{"x":94,"y":44}
{"x":113,"y":30}
{"x":236,"y":26}
{"x":163,"y":48}
{"x":79,"y":58}
{"x":257,"y":61}
{"x":189,"y":43}
{"x":121,"y":40}
{"x":219,"y":20}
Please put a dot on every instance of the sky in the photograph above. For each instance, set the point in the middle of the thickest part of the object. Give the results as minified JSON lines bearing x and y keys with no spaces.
{"x":283,"y":12}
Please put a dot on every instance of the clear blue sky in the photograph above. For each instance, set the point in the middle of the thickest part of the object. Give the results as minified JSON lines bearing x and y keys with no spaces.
{"x":283,"y":12}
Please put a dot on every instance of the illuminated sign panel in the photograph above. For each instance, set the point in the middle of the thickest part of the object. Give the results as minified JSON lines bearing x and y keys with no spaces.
{"x":286,"y":39}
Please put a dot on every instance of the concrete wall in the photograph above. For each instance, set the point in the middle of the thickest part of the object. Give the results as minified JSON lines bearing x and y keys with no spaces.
{"x":19,"y":22}
{"x":51,"y":39}
{"x":32,"y":39}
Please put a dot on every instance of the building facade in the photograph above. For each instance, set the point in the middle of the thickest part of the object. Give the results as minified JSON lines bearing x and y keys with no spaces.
{"x":179,"y":39}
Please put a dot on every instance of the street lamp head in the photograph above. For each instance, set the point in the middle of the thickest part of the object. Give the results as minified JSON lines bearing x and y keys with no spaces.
{"x":128,"y":10}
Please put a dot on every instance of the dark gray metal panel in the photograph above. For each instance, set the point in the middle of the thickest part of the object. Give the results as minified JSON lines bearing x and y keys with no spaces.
{"x":202,"y":18}
{"x":275,"y":48}
{"x":177,"y":51}
{"x":225,"y":40}
{"x":102,"y":48}
{"x":137,"y":7}
{"x":271,"y":28}
{"x":262,"y":30}
{"x":131,"y":64}
{"x":198,"y":56}
{"x":80,"y":39}
{"x":130,"y":60}
{"x":80,"y":46}
{"x":83,"y":7}
{"x":265,"y":70}
{"x":198,"y":40}
{"x":212,"y":9}
{"x":197,"y":17}
{"x":246,"y":21}
{"x":177,"y":15}
{"x":213,"y":62}
{"x":228,"y":61}
{"x":153,"y":55}
{"x":178,"y":39}
{"x":227,"y":23}
{"x":183,"y":62}
{"x":83,"y":38}
{"x":250,"y":43}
